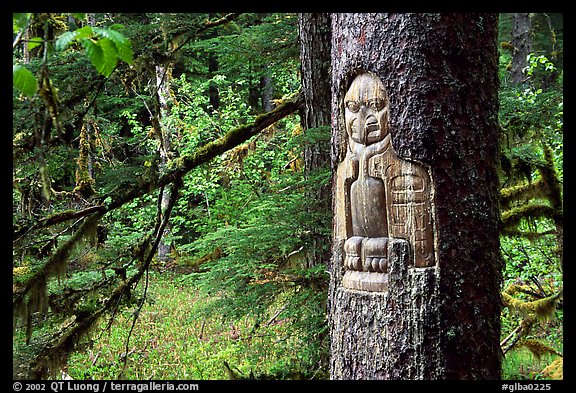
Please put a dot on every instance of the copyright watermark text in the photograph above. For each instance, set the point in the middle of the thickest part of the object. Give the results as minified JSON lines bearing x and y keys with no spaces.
{"x":521,"y":387}
{"x":103,"y":386}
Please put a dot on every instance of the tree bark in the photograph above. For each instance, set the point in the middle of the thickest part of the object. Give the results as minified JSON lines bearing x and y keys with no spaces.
{"x":163,"y":80}
{"x":522,"y":43}
{"x":315,"y":44}
{"x":438,"y":318}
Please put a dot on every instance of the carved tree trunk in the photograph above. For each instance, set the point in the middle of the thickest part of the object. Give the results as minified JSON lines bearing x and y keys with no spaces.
{"x":315,"y":39}
{"x":415,"y":268}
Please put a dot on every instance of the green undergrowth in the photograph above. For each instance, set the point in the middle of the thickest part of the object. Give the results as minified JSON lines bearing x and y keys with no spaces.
{"x":174,"y":339}
{"x":521,"y":364}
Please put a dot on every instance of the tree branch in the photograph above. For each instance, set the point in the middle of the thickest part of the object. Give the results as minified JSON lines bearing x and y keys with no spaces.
{"x":232,"y":139}
{"x":54,"y":219}
{"x":207,"y":25}
{"x":66,"y":339}
{"x":56,"y":262}
{"x":127,"y":192}
{"x":513,"y":216}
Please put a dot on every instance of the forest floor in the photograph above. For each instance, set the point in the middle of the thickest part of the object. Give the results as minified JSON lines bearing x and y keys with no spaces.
{"x":175,"y":338}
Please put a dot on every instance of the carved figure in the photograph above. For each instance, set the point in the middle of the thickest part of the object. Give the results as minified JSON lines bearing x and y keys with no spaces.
{"x":384,"y":195}
{"x":366,"y":119}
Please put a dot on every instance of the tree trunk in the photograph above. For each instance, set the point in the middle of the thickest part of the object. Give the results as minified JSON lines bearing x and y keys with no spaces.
{"x":163,"y":79}
{"x":522,"y":43}
{"x":213,"y":93}
{"x":415,"y":268}
{"x":315,"y":44}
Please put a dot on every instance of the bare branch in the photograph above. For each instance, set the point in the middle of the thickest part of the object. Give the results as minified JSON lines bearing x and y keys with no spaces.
{"x":55,"y":219}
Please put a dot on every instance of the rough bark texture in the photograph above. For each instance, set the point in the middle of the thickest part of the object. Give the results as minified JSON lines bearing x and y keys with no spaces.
{"x":439,"y":322}
{"x":315,"y":40}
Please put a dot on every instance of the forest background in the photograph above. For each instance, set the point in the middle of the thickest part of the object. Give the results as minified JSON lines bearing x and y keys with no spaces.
{"x":168,"y":224}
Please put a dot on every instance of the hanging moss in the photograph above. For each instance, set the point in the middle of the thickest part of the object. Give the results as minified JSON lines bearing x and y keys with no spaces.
{"x":37,"y":302}
{"x":46,"y":189}
{"x":551,"y":179}
{"x":538,"y":348}
{"x":32,"y":297}
{"x":542,"y":309}
{"x":84,"y":180}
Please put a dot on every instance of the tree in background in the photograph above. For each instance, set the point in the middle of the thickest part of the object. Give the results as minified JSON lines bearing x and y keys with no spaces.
{"x":315,"y":39}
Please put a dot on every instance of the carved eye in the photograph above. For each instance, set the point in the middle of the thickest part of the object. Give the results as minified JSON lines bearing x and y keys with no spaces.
{"x":354,"y":106}
{"x":376,"y":104}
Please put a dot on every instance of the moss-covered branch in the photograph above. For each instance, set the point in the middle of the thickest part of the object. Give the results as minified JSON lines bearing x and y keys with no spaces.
{"x":126,"y":193}
{"x":523,"y":191}
{"x":512,"y":217}
{"x":530,"y":311}
{"x":208,"y":24}
{"x":548,"y":187}
{"x":551,"y":180}
{"x":232,"y":139}
{"x":56,"y":218}
{"x":30,"y":295}
{"x":56,"y":262}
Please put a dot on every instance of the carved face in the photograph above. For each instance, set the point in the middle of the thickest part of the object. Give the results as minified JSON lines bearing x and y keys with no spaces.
{"x":366,"y":110}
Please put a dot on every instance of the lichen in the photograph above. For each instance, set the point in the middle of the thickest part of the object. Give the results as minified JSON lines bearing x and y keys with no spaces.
{"x":538,"y":348}
{"x":555,"y":370}
{"x":542,"y":309}
{"x":84,"y":181}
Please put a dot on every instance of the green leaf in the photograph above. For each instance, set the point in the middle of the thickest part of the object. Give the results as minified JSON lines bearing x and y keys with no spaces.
{"x":24,"y":80}
{"x":34,"y":42}
{"x":19,"y":21}
{"x":64,"y":40}
{"x":110,"y":56}
{"x":68,"y":37}
{"x":94,"y":53}
{"x":102,"y":54}
{"x":83,"y":32}
{"x":115,"y":36}
{"x":123,"y":45}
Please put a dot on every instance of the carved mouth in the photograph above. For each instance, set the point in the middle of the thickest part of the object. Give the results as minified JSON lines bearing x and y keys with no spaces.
{"x":371,"y":124}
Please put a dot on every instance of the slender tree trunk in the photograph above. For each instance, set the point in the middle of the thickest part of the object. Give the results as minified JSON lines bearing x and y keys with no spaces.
{"x":213,"y":93}
{"x":267,"y":93}
{"x":213,"y":66}
{"x":415,"y":268}
{"x":315,"y":40}
{"x":522,"y":43}
{"x":163,"y":76}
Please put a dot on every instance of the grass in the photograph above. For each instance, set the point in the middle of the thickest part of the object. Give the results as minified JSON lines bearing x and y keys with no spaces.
{"x":521,"y":364}
{"x":173,"y":340}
